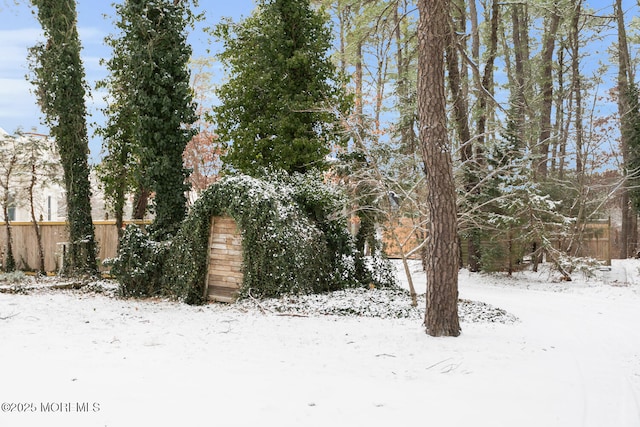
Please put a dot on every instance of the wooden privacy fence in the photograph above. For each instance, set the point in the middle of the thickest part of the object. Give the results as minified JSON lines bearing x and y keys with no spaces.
{"x":54,"y":236}
{"x":405,"y":232}
{"x":597,"y":241}
{"x":225,"y":248}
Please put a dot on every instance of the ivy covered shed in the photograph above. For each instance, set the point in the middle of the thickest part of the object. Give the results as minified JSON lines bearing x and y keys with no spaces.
{"x":248,"y":236}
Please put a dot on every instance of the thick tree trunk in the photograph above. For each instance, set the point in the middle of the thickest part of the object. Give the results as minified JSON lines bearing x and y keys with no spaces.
{"x":441,"y":317}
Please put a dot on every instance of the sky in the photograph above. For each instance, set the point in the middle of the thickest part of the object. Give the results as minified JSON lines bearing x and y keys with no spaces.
{"x":19,"y":30}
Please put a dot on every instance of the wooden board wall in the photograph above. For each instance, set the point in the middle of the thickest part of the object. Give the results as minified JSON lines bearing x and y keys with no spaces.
{"x":224,"y":276}
{"x":598,"y":241}
{"x":25,"y":248}
{"x":408,"y":231}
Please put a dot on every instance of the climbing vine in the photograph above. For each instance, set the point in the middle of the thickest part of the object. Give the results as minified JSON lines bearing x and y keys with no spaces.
{"x":294,"y":241}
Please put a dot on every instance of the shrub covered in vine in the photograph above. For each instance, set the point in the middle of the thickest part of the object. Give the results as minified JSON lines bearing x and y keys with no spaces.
{"x":139,"y":264}
{"x":294,"y":241}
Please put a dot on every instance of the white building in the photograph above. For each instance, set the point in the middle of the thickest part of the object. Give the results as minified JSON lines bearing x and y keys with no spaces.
{"x":16,"y":173}
{"x":49,"y":199}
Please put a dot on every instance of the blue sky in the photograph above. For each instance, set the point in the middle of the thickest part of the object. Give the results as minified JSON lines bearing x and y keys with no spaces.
{"x":19,"y":30}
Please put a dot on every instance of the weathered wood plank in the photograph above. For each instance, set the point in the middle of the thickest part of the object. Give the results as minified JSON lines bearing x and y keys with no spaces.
{"x":222,"y":294}
{"x":222,"y":251}
{"x":229,"y":262}
{"x":222,"y":239}
{"x":221,"y":257}
{"x":218,"y":277}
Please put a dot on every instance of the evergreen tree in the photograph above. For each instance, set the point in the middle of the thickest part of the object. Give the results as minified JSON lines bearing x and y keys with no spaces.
{"x":59,"y":79}
{"x":515,"y":215}
{"x":153,"y":106}
{"x":275,"y":108}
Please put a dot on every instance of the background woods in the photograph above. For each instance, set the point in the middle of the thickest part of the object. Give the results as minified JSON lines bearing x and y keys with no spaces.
{"x":536,"y":116}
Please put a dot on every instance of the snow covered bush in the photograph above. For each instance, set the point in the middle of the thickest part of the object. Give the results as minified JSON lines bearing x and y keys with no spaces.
{"x":12,"y":277}
{"x":139,"y":265}
{"x":585,"y":265}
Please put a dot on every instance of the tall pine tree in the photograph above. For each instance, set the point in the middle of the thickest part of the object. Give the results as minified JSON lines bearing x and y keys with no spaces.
{"x":276,"y":106}
{"x":441,"y":318}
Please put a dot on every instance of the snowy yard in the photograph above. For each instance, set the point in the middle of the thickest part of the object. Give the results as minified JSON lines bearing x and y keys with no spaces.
{"x":572,"y":358}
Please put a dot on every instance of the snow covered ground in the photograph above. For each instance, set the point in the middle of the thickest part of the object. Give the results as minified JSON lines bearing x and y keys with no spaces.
{"x":572,"y":358}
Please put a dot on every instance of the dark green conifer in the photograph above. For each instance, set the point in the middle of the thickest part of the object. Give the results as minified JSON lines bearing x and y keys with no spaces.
{"x":276,"y":107}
